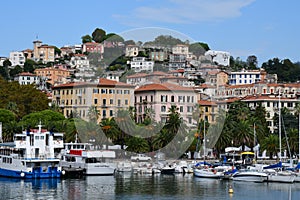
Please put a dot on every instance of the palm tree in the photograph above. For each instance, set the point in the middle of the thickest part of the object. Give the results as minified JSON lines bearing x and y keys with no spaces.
{"x":243,"y":133}
{"x":293,"y":138}
{"x":174,"y":120}
{"x":110,"y":129}
{"x":93,"y":114}
{"x":271,"y":144}
{"x":137,"y":144}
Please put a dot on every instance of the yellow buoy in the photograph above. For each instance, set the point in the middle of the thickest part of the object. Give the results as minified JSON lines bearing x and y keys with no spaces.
{"x":230,"y":190}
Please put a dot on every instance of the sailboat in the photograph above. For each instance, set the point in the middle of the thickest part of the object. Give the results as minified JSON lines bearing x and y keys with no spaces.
{"x":275,"y":173}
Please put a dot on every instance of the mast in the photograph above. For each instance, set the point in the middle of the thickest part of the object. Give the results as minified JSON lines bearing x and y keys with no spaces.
{"x":279,"y":126}
{"x":204,"y":137}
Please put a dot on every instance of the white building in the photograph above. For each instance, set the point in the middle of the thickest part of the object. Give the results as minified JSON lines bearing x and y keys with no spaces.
{"x":17,"y":58}
{"x":246,"y":77}
{"x":26,"y":78}
{"x":139,"y":64}
{"x":220,"y":57}
{"x":131,"y":50}
{"x":180,"y":49}
{"x":2,"y":59}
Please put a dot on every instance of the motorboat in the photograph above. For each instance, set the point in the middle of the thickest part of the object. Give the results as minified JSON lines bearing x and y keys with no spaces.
{"x":250,"y":175}
{"x":208,"y":172}
{"x":87,"y":157}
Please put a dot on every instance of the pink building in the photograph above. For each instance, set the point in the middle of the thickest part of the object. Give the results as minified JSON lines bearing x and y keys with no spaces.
{"x":158,"y":98}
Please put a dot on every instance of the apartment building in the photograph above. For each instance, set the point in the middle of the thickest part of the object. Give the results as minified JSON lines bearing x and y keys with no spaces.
{"x":17,"y":58}
{"x":107,"y":96}
{"x":160,"y":97}
{"x":53,"y":75}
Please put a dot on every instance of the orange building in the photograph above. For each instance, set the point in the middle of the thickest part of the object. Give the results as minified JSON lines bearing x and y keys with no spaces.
{"x":53,"y":75}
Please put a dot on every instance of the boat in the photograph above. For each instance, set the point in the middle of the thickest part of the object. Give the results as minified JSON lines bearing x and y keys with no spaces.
{"x":209,"y":173}
{"x":124,"y":167}
{"x":87,"y":157}
{"x":32,"y":155}
{"x":250,"y":175}
{"x":168,"y":169}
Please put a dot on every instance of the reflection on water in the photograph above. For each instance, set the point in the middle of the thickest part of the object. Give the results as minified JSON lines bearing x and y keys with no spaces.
{"x":132,"y":186}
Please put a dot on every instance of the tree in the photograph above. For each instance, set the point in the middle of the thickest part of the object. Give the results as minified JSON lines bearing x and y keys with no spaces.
{"x":6,"y":116}
{"x":57,"y":51}
{"x":6,"y":63}
{"x":46,"y":117}
{"x":129,"y":42}
{"x":252,"y":62}
{"x":270,"y":144}
{"x":86,"y":39}
{"x":93,"y":114}
{"x":14,"y":71}
{"x":198,"y":48}
{"x":98,"y":35}
{"x":113,"y":37}
{"x":29,"y":66}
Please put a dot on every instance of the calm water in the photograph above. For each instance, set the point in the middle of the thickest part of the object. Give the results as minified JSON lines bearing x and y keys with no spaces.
{"x":144,"y":187}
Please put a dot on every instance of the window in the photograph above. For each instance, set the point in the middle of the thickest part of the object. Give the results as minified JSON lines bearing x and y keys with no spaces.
{"x":104,"y":113}
{"x":96,"y":91}
{"x":111,"y":91}
{"x":141,"y":99}
{"x":126,"y":91}
{"x":126,"y":101}
{"x":111,"y":113}
{"x":103,"y":91}
{"x":172,"y":99}
{"x":163,"y":109}
{"x":151,"y":98}
{"x":95,"y":101}
{"x":104,"y":102}
{"x":119,"y":102}
{"x":111,"y":101}
{"x":181,"y":109}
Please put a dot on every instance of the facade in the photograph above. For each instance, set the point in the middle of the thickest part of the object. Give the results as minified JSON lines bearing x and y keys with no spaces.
{"x":131,"y":50}
{"x":159,"y":55}
{"x":82,"y":67}
{"x":106,"y":96}
{"x":53,"y":75}
{"x":43,"y":52}
{"x":177,"y":61}
{"x":28,"y":53}
{"x":93,"y":47}
{"x":26,"y":78}
{"x":17,"y":58}
{"x":219,"y":57}
{"x":180,"y":49}
{"x":139,"y":64}
{"x":246,"y":77}
{"x":160,"y":97}
{"x":208,"y":110}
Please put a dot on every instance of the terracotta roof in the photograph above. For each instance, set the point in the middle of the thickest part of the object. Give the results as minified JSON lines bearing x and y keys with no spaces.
{"x":163,"y":87}
{"x":74,"y":84}
{"x":206,"y":103}
{"x":107,"y":82}
{"x":266,"y":98}
{"x":138,"y":75}
{"x":26,"y":74}
{"x":157,"y":73}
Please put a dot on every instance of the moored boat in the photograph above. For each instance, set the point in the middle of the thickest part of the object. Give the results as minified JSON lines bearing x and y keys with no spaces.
{"x":85,"y":156}
{"x":249,"y":175}
{"x":32,"y":155}
{"x":208,"y":173}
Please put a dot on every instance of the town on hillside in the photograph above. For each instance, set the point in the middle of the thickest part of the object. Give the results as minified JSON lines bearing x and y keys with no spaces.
{"x":109,"y":73}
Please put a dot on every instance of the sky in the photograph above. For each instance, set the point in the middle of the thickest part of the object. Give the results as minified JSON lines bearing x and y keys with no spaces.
{"x":264,"y":28}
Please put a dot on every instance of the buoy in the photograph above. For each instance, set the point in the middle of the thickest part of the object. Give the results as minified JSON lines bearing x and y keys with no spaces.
{"x":230,"y":190}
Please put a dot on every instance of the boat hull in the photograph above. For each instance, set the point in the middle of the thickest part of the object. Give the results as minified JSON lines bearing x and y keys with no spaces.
{"x":37,"y":173}
{"x":203,"y":173}
{"x":250,"y":177}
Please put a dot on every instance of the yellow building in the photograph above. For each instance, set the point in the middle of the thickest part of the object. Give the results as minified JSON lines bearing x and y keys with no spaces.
{"x":106,"y":96}
{"x":53,"y":75}
{"x":43,"y":52}
{"x":208,"y":111}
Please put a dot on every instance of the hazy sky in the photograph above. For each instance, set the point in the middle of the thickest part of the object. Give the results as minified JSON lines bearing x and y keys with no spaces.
{"x":263,"y":28}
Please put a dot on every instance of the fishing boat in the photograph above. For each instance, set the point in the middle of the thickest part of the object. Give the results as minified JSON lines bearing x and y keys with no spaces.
{"x":86,"y":156}
{"x":32,"y":155}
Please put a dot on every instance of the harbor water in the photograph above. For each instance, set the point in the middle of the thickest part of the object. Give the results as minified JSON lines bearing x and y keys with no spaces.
{"x":139,"y":187}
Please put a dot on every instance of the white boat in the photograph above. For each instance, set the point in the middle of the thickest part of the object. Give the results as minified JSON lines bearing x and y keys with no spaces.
{"x":250,"y":176}
{"x":281,"y":176}
{"x":208,"y":173}
{"x":86,"y":156}
{"x":32,"y":155}
{"x":124,"y":167}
